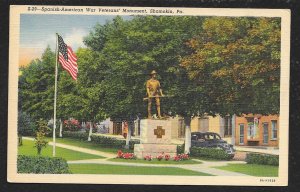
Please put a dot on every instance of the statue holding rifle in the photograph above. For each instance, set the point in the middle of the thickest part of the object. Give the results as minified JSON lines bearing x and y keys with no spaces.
{"x":154,"y":91}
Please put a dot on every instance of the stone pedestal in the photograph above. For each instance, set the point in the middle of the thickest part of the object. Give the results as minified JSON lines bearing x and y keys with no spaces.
{"x":155,"y":138}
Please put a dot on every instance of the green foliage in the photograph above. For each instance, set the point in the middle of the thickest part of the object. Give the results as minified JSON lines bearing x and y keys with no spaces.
{"x":263,"y":159}
{"x":42,"y":130}
{"x":227,"y":65}
{"x":209,"y":153}
{"x":180,"y":149}
{"x":82,"y":136}
{"x":36,"y":87}
{"x":42,"y":165}
{"x":25,"y":125}
{"x":130,"y":49}
{"x":112,"y":142}
{"x":236,"y":62}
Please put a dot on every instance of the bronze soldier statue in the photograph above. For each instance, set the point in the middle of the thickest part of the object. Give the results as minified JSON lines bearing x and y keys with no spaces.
{"x":154,"y":91}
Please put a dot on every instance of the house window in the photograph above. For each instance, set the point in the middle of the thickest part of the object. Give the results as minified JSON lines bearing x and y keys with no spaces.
{"x":274,"y":129}
{"x":227,"y":126}
{"x":241,"y":133}
{"x":266,"y":133}
{"x":251,"y":131}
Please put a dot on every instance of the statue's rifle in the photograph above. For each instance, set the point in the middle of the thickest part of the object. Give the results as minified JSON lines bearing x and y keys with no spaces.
{"x":159,"y":96}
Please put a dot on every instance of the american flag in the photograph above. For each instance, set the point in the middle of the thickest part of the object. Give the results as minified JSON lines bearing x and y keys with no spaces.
{"x":67,"y":58}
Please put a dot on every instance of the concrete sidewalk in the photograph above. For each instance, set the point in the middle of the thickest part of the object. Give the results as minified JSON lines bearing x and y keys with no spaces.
{"x":266,"y":150}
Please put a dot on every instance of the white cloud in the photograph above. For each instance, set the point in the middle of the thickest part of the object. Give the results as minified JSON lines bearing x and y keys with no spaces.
{"x":74,"y":39}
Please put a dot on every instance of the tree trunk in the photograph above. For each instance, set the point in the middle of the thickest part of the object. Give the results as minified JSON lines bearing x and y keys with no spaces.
{"x":39,"y":150}
{"x":60,"y":128}
{"x":20,"y":141}
{"x":233,"y":129}
{"x":187,"y":146}
{"x":130,"y":124}
{"x":91,"y":131}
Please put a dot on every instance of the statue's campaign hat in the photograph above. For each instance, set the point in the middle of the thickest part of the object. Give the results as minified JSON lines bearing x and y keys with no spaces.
{"x":153,"y":72}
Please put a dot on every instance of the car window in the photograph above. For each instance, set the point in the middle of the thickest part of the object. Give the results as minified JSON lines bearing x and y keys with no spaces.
{"x":218,"y":137}
{"x":209,"y":136}
{"x":201,"y":136}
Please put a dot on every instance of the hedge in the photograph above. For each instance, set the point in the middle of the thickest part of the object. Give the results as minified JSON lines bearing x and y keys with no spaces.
{"x":83,"y":136}
{"x":112,"y":142}
{"x":210,"y":153}
{"x":263,"y":159}
{"x":206,"y":152}
{"x":101,"y":140}
{"x":42,"y":165}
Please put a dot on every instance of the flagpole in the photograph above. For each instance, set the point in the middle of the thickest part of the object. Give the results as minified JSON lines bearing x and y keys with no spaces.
{"x":55,"y":95}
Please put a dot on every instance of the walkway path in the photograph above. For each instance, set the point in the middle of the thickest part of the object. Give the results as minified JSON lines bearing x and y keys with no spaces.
{"x":204,"y":167}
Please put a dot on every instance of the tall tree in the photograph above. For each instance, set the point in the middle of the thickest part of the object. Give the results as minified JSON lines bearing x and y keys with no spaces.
{"x":36,"y":87}
{"x":131,"y":49}
{"x":237,"y":62}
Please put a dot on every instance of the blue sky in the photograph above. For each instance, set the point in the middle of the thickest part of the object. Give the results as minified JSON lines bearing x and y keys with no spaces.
{"x":38,"y":31}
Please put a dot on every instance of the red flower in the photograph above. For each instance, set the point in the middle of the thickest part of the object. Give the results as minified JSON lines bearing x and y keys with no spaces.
{"x":177,"y":158}
{"x":160,"y":157}
{"x":167,"y":157}
{"x":148,"y":157}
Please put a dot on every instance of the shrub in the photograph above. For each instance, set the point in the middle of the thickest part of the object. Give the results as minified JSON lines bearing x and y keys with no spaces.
{"x":83,"y":136}
{"x":181,"y":157}
{"x":167,"y":157}
{"x":122,"y":155}
{"x":112,"y":142}
{"x":148,"y":158}
{"x":72,"y":125}
{"x":263,"y":159}
{"x":160,"y":157}
{"x":209,"y":153}
{"x":176,"y":158}
{"x":39,"y":141}
{"x":180,"y":149}
{"x":42,"y":165}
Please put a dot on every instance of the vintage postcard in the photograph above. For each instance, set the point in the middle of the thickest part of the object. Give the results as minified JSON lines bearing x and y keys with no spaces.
{"x":147,"y":95}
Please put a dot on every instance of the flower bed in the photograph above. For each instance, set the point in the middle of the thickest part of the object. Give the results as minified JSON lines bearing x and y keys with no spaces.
{"x":167,"y":157}
{"x":122,"y":155}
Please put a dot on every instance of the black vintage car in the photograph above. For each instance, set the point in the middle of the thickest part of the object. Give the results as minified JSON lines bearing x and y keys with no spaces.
{"x":210,"y":139}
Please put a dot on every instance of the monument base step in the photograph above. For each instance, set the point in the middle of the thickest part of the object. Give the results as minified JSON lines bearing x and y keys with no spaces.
{"x":142,"y":150}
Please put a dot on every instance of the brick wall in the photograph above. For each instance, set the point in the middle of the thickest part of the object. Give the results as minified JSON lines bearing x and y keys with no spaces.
{"x":259,"y":140}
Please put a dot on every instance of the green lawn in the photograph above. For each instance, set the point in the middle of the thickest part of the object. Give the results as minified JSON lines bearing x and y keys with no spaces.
{"x":28,"y":149}
{"x":130,"y":170}
{"x":155,"y":161}
{"x":87,"y":144}
{"x":252,"y":169}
